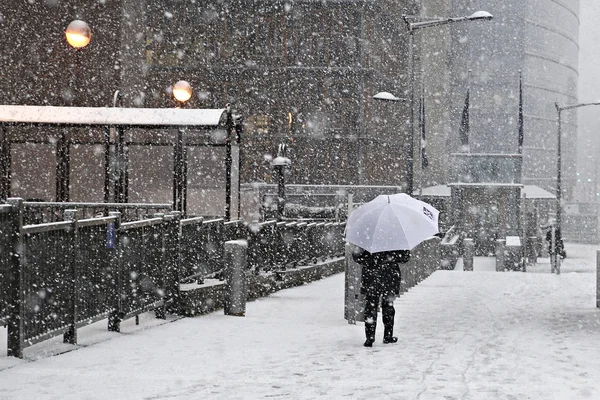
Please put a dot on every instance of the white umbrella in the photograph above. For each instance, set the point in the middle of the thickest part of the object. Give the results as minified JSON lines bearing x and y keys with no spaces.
{"x":391,"y":222}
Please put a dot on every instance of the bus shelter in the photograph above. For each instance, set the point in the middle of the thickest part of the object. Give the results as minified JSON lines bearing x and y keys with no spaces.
{"x":189,"y":157}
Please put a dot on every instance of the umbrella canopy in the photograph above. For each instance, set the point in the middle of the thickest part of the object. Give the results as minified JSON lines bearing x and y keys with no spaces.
{"x":391,"y":222}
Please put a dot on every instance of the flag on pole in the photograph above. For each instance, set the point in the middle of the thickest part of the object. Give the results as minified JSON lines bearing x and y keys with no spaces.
{"x":424,"y":160}
{"x":521,"y":133}
{"x":464,"y":125}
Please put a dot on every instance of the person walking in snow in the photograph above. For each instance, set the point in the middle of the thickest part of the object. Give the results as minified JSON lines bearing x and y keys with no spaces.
{"x":380,"y":280}
{"x":560,"y":245}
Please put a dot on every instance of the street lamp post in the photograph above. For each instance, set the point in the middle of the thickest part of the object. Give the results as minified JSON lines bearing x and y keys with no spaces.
{"x":280,"y":164}
{"x":559,"y":111}
{"x":554,"y":257}
{"x":387,"y":96}
{"x":182,"y":92}
{"x":120,"y":176}
{"x":412,"y":27}
{"x":78,"y":34}
{"x":228,"y":163}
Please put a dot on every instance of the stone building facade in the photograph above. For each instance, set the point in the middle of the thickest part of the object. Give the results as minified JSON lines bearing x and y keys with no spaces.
{"x":301,"y":73}
{"x":318,"y":63}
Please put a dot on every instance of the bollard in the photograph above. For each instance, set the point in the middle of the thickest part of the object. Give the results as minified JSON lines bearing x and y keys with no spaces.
{"x":236,"y":252}
{"x":499,"y":255}
{"x":469,"y":251}
{"x":353,"y":304}
{"x":598,"y":278}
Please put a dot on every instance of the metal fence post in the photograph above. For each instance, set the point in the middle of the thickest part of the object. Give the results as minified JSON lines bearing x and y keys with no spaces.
{"x":235,"y":277}
{"x":303,"y":245}
{"x":114,"y":318}
{"x":278,"y":247}
{"x":311,"y":229}
{"x":469,"y":247}
{"x":70,"y":336}
{"x":553,"y":253}
{"x":163,"y":265}
{"x":172,"y":250}
{"x":598,"y":278}
{"x":523,"y":234}
{"x":556,"y":253}
{"x":499,"y":255}
{"x":14,"y":290}
{"x":350,"y":204}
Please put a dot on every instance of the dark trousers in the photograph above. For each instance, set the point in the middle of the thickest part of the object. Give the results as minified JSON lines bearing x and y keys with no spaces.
{"x":387,"y":314}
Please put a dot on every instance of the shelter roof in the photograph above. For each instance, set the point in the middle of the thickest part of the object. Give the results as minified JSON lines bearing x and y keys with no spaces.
{"x":112,"y":116}
{"x":530,"y":191}
{"x":536,"y":192}
{"x":437,"y":191}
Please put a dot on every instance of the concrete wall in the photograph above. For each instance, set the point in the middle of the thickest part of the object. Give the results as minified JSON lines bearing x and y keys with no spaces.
{"x":208,"y":297}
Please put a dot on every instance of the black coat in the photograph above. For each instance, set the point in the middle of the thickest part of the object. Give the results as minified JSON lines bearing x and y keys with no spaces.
{"x":560,"y":245}
{"x":380,"y":271}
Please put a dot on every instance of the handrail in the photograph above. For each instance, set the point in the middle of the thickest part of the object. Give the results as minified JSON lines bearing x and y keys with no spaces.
{"x":48,"y":227}
{"x":59,"y":204}
{"x":142,"y":223}
{"x":96,"y":221}
{"x":191,"y":221}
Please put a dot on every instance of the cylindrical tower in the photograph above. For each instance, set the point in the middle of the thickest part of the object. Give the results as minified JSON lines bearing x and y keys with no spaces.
{"x":535,"y":38}
{"x":550,"y":71}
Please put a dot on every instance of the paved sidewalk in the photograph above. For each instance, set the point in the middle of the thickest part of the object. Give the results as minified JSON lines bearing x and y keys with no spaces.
{"x":463,"y":335}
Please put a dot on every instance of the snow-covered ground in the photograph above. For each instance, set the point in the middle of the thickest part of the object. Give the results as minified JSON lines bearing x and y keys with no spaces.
{"x":463,"y":335}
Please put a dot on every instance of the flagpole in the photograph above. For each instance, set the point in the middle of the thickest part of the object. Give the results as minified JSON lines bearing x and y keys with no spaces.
{"x":521,"y":128}
{"x":411,"y":146}
{"x":421,"y":129}
{"x":464,"y":122}
{"x":421,"y":100}
{"x":521,"y":132}
{"x":469,"y":76}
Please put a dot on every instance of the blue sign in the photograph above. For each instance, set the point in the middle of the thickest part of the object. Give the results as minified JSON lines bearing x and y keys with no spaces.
{"x":110,"y":235}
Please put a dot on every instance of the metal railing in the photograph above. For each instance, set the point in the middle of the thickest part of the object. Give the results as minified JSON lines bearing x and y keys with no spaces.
{"x":59,"y":276}
{"x":279,"y":245}
{"x":202,"y":246}
{"x":271,"y":245}
{"x":38,"y":212}
{"x":148,"y":277}
{"x":46,"y":268}
{"x":98,"y":271}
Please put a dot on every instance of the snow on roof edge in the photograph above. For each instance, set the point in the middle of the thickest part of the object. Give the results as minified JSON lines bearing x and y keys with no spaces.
{"x":111,"y":116}
{"x":530,"y":191}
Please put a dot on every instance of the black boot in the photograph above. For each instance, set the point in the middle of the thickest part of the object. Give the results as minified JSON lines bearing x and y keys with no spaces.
{"x":370,"y":334}
{"x":388,"y":335}
{"x":370,"y":314}
{"x":388,"y":314}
